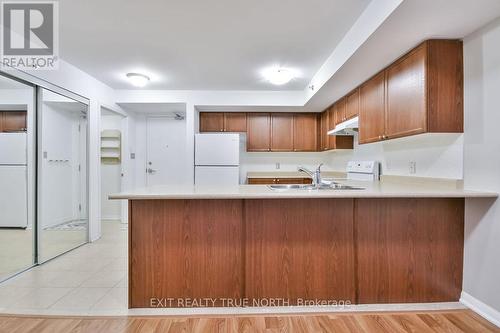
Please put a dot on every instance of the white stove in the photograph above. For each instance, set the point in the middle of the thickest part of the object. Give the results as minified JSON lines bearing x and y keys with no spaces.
{"x":363,"y":170}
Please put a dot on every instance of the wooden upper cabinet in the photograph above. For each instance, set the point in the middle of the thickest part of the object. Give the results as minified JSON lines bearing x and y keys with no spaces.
{"x":372,"y":109}
{"x":423,"y":94}
{"x":211,"y":122}
{"x":339,"y":115}
{"x":258,"y":132}
{"x":235,"y":122}
{"x":406,"y":112}
{"x":223,"y":122}
{"x":445,"y":86}
{"x":13,"y":121}
{"x":352,"y":104}
{"x":324,"y":138}
{"x":305,"y":132}
{"x":281,"y":132}
{"x":331,"y":112}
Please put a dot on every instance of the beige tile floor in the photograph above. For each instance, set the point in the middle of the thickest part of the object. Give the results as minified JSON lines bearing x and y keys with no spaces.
{"x":16,"y":247}
{"x":91,"y":279}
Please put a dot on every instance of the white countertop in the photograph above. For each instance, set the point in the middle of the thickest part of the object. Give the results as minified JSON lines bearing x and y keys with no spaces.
{"x":373,"y":190}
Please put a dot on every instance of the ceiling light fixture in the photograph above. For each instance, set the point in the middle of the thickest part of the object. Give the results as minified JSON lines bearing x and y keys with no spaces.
{"x":279,"y":76}
{"x":137,"y":79}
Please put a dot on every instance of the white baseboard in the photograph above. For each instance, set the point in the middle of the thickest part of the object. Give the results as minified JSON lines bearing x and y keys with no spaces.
{"x":111,"y":218}
{"x":482,"y":309}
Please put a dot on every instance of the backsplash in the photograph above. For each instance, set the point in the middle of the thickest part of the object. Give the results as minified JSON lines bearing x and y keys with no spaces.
{"x":287,"y":162}
{"x":434,"y":155}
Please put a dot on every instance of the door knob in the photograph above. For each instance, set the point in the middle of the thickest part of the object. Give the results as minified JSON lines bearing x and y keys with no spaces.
{"x":150,"y":171}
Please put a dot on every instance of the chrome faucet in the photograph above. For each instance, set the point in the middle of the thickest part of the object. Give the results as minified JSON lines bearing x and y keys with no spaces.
{"x":315,"y":176}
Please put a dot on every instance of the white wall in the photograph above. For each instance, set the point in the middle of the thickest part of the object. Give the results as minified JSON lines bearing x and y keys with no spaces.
{"x":111,"y":174}
{"x":482,"y":168}
{"x":60,"y":183}
{"x":436,"y":155}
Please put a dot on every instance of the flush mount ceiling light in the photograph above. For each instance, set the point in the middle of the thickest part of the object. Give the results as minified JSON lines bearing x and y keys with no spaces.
{"x":137,"y":79}
{"x":279,"y":76}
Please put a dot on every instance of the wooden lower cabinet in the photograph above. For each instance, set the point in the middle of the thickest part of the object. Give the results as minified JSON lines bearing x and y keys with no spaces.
{"x":270,"y":181}
{"x":185,"y":249}
{"x":299,"y":249}
{"x":409,"y":250}
{"x":294,"y":250}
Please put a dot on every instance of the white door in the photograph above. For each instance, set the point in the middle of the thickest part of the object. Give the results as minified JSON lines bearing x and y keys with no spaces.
{"x":166,"y":151}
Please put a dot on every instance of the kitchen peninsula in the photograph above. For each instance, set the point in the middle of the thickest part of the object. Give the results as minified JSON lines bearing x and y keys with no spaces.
{"x":388,"y":243}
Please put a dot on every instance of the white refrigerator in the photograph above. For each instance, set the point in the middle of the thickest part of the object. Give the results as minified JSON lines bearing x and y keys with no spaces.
{"x":217,"y":159}
{"x":13,"y":181}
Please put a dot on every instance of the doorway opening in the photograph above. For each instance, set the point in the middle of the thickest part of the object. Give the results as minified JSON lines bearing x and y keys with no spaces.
{"x":112,"y":145}
{"x":161,"y":153}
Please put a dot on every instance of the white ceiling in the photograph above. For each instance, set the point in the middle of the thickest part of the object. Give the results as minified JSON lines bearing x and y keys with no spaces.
{"x":203,"y":45}
{"x":155,"y":108}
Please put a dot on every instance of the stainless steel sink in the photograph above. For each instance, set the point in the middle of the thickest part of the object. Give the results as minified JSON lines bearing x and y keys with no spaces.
{"x":322,"y":187}
{"x":292,"y":187}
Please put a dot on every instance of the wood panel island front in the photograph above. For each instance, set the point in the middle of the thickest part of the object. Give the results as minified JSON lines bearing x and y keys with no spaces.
{"x":252,"y":246}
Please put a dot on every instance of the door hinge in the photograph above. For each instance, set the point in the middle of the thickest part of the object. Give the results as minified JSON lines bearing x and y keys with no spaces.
{"x":80,"y":207}
{"x":79,"y":167}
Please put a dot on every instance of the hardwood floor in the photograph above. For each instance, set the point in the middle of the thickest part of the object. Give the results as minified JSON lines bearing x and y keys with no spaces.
{"x":422,"y":322}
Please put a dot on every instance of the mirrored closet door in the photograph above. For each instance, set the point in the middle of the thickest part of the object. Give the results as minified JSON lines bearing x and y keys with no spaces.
{"x":17,"y":231}
{"x":62,"y":174}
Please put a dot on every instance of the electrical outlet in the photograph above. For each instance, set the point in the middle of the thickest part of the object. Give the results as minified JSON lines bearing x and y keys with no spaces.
{"x":278,"y":166}
{"x":413,"y":167}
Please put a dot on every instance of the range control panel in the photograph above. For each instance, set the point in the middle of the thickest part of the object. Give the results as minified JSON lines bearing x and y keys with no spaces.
{"x":363,"y":170}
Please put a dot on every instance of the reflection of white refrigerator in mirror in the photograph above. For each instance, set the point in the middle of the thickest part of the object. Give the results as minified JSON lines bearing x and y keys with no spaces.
{"x":13,"y":181}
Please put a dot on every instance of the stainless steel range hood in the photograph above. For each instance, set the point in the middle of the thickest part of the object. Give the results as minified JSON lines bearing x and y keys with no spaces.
{"x":348,"y":127}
